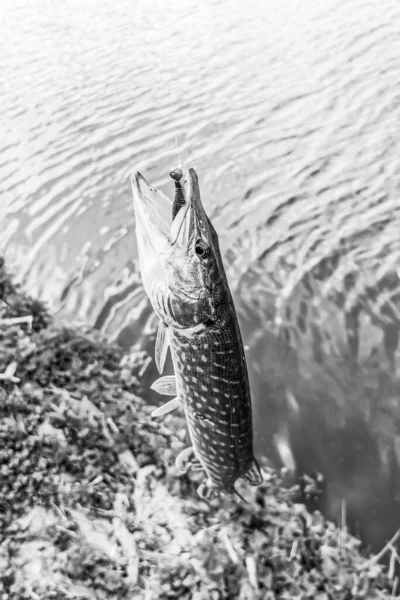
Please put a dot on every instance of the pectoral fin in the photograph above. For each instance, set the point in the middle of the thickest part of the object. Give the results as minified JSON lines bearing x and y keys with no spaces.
{"x":165,"y":386}
{"x":162,"y":343}
{"x":207,"y":490}
{"x":166,"y":408}
{"x":253,"y":474}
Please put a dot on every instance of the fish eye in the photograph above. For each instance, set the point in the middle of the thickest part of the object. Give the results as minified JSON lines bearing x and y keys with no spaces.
{"x":201,"y":248}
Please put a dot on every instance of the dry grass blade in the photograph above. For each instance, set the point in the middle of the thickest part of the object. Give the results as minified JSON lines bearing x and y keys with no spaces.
{"x":223,"y":536}
{"x":127,"y":459}
{"x":144,"y":367}
{"x":28,"y":320}
{"x":343,"y":527}
{"x":251,"y":567}
{"x":394,"y":589}
{"x":8,"y":374}
{"x":376,"y":558}
{"x":128,"y":544}
{"x":96,"y":533}
{"x":392,"y":563}
{"x":293,"y":551}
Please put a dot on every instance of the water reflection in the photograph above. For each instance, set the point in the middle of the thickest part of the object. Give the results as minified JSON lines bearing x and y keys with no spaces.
{"x":326,"y":383}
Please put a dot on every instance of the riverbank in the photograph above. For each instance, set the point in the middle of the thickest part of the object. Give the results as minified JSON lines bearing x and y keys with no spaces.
{"x":91,"y":505}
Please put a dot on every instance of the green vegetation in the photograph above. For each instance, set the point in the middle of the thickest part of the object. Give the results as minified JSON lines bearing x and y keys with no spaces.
{"x":91,"y":505}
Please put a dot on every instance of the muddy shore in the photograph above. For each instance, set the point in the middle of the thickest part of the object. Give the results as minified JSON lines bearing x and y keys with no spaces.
{"x":92,"y":507}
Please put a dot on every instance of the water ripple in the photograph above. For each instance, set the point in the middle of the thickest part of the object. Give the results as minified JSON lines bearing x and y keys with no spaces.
{"x":288,"y":110}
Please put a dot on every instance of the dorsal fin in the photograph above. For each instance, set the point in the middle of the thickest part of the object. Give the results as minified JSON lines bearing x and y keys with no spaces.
{"x":253,"y":474}
{"x":166,"y":408}
{"x":162,"y":343}
{"x":165,"y":385}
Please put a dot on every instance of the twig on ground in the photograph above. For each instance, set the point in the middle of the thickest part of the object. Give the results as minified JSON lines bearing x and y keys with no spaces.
{"x":18,"y":321}
{"x":251,"y":567}
{"x":8,"y":374}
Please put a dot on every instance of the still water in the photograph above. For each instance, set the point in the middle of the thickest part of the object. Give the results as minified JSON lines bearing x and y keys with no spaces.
{"x":289,"y":111}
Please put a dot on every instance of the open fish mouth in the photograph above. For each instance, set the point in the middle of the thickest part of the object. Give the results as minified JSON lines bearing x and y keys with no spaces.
{"x":153,"y":216}
{"x":191,"y":222}
{"x":157,"y":233}
{"x":153,"y":212}
{"x":175,"y":254}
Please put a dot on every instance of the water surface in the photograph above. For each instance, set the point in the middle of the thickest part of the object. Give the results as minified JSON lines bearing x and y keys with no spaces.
{"x":289,"y":112}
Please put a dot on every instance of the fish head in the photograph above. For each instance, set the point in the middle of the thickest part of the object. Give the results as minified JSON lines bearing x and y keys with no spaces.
{"x":180,"y":260}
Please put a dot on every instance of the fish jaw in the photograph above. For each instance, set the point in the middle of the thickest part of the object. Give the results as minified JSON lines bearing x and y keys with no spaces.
{"x":152,"y":215}
{"x":195,"y":268}
{"x":192,"y":221}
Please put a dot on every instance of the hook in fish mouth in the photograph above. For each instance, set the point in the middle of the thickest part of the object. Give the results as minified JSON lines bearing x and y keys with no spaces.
{"x":179,"y":259}
{"x":191,"y":222}
{"x":153,"y":211}
{"x":179,"y":200}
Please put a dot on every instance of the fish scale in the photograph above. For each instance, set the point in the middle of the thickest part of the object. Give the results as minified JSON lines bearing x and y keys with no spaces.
{"x":212,"y":383}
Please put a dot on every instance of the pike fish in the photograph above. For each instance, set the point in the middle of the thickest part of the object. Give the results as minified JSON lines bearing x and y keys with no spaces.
{"x":184,"y":277}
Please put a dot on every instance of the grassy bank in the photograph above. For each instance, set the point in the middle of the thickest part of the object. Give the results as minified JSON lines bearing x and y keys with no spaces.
{"x":91,"y":505}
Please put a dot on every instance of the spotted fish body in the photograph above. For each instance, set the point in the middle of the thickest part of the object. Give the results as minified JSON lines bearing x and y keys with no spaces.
{"x":212,"y":382}
{"x":183,"y":275}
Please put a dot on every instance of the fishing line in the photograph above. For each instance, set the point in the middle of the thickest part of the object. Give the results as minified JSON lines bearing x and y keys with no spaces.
{"x":168,"y":71}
